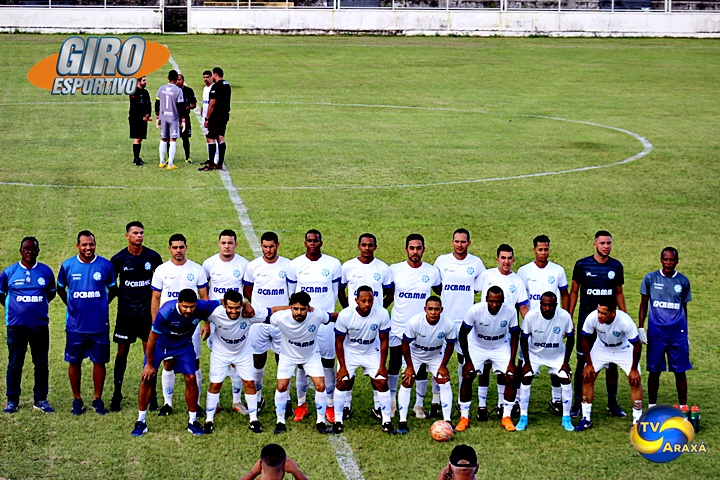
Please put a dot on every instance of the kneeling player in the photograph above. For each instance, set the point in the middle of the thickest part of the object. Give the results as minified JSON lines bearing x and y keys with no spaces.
{"x":618,"y":342}
{"x":357,"y":333}
{"x":424,"y":337}
{"x":541,"y":342}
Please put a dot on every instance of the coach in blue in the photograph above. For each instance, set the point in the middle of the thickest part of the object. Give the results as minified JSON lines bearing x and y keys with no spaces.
{"x":86,"y":283}
{"x":26,"y":289}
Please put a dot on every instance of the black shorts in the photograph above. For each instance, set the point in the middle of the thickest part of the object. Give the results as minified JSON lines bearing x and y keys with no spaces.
{"x":128,"y":328}
{"x":216,"y":128}
{"x":138,"y":128}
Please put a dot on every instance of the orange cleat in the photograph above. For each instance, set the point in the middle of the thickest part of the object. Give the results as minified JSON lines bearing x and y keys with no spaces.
{"x":463,"y":424}
{"x":330,"y":415}
{"x":508,"y":424}
{"x":301,"y":412}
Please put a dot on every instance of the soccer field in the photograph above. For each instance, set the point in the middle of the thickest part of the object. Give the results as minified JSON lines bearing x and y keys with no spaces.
{"x":509,"y":138}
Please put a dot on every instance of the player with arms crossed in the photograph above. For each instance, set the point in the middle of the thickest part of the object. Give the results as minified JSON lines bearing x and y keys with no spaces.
{"x":169,"y":105}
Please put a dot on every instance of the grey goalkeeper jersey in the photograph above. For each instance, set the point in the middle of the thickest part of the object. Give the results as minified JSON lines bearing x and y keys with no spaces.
{"x":169,"y":96}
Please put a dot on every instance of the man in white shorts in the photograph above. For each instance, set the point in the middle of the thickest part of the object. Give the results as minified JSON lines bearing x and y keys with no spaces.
{"x":168,"y":281}
{"x":618,"y":342}
{"x":428,"y":340}
{"x":490,"y":323}
{"x":543,"y":331}
{"x":361,"y":340}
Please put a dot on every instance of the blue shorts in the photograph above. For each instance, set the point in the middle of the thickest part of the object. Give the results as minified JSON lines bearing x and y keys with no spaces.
{"x":184,"y":358}
{"x":81,"y":345}
{"x":677,"y":351}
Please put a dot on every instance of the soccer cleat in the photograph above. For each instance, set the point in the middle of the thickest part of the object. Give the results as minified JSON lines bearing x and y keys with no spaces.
{"x":463,"y":424}
{"x":78,"y":407}
{"x":576,"y":410}
{"x":347,"y":413}
{"x":261,"y":405}
{"x":138,"y":163}
{"x":43,"y":406}
{"x":255,"y":426}
{"x":555,"y":407}
{"x":522,"y":423}
{"x":172,"y":167}
{"x":515,"y":412}
{"x":507,"y":424}
{"x":419,"y":411}
{"x":330,"y":415}
{"x":301,"y":413}
{"x":99,"y":406}
{"x":11,"y":407}
{"x":209,"y":428}
{"x":288,"y":409}
{"x":435,"y":411}
{"x":162,"y":165}
{"x":616,"y":411}
{"x":387,"y":427}
{"x":115,"y":402}
{"x":195,"y":428}
{"x":482,"y":414}
{"x":207,"y":168}
{"x":403,"y":428}
{"x":280,"y":428}
{"x":140,"y":429}
{"x":153,"y":405}
{"x":567,"y":423}
{"x":499,"y":411}
{"x":376,"y":413}
{"x":188,"y":161}
{"x":240,"y":408}
{"x":165,"y":410}
{"x":584,"y":424}
{"x":337,"y":428}
{"x":322,"y":428}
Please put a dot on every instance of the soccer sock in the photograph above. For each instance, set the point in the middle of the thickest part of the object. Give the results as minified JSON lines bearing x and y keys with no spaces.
{"x":385,"y":405}
{"x":301,"y":385}
{"x":280,"y":406}
{"x":252,"y":402}
{"x":163,"y":149}
{"x":119,"y":371}
{"x":501,"y":395}
{"x":259,"y":377}
{"x":556,"y":394}
{"x":339,"y":404}
{"x":650,"y":405}
{"x":507,"y":408}
{"x":193,"y":417}
{"x":237,"y":385}
{"x":211,"y":153}
{"x":198,"y":380}
{"x":436,"y":392}
{"x":612,"y":394}
{"x":168,"y":385}
{"x":211,"y":403}
{"x":136,"y":150}
{"x":393,"y":384}
{"x":586,"y":410}
{"x":141,"y":415}
{"x":482,"y":396}
{"x":460,"y":368}
{"x":420,"y":391}
{"x":171,"y":153}
{"x":567,"y":398}
{"x":376,"y":399}
{"x":403,"y":402}
{"x":524,"y":398}
{"x":329,"y":382}
{"x":348,"y":399}
{"x":446,"y":399}
{"x":221,"y":154}
{"x":465,"y":409}
{"x":186,"y":146}
{"x":637,"y":411}
{"x":321,"y":405}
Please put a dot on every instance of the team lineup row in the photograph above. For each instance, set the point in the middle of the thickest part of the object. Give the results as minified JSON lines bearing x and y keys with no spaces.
{"x":290,"y":309}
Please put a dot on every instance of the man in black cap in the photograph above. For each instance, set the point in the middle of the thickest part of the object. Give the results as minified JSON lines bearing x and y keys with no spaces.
{"x":463,"y":464}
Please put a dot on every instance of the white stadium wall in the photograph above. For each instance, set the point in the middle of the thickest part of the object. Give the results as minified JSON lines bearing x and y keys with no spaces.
{"x":366,"y":21}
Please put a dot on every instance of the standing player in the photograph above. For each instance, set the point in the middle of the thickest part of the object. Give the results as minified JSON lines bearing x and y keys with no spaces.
{"x":491,"y":322}
{"x":413,"y":281}
{"x":140,"y":113}
{"x":543,"y":331}
{"x":86,"y":284}
{"x":26,"y":289}
{"x":617,"y":342}
{"x":667,"y":332}
{"x":319,"y":276}
{"x":265,"y":285}
{"x":190,"y":104}
{"x":216,"y":119}
{"x":168,"y":281}
{"x":424,"y":337}
{"x":300,"y":334}
{"x":361,"y":340}
{"x":134,"y":265}
{"x":459,"y":271}
{"x":169,"y":105}
{"x":207,"y":79}
{"x":596,"y":277}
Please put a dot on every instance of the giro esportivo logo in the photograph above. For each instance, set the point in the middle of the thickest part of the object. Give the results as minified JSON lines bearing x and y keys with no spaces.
{"x":663,"y":433}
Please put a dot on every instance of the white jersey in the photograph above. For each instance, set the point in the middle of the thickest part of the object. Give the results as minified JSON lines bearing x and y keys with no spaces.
{"x":512,"y":286}
{"x":540,"y":280}
{"x":412,"y":287}
{"x":224,"y":275}
{"x":205,"y":100}
{"x":616,"y":336}
{"x":299,"y":339}
{"x":269,"y":283}
{"x":545,"y":337}
{"x":489,"y":331}
{"x":427,"y":340}
{"x":459,"y":278}
{"x":170,"y":279}
{"x":361,"y":333}
{"x":375,"y":275}
{"x":319,"y":278}
{"x":230,"y":337}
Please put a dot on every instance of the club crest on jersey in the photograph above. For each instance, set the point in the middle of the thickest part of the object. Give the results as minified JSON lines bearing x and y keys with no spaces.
{"x":281,"y":274}
{"x":551,"y":279}
{"x":41,"y":281}
{"x":503,"y":324}
{"x":556,"y":330}
{"x":677,"y":288}
{"x":374,"y":327}
{"x":611,"y":274}
{"x":243,"y":325}
{"x":97,"y":276}
{"x":470,"y":270}
{"x":148,"y":266}
{"x":190,"y":277}
{"x":512,"y":288}
{"x":312,"y":328}
{"x":425,"y":278}
{"x":376,"y":277}
{"x":616,"y":333}
{"x":441,"y":335}
{"x":325,"y":272}
{"x":236,"y":273}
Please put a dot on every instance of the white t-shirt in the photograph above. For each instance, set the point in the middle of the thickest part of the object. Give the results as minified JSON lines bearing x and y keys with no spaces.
{"x":206,"y":101}
{"x":361,"y":333}
{"x":427,"y":340}
{"x":319,"y":278}
{"x":512,"y":286}
{"x":299,"y":339}
{"x":268,"y":281}
{"x":223,"y":275}
{"x":375,"y":275}
{"x":458,"y":280}
{"x":170,"y":279}
{"x":616,"y":336}
{"x":545,"y":337}
{"x":489,"y":331}
{"x":412,"y":287}
{"x":540,"y":280}
{"x":230,"y":337}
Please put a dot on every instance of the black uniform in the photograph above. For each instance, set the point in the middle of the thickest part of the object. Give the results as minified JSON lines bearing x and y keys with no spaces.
{"x":220,"y":91}
{"x":190,"y":102}
{"x":139,"y":107}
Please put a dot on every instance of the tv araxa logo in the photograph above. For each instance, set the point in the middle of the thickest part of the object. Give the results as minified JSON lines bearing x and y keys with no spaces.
{"x":98,"y":66}
{"x":663,"y":434}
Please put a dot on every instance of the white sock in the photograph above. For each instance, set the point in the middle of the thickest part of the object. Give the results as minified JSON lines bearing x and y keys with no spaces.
{"x":403,"y":402}
{"x":524,"y":399}
{"x":482,"y":396}
{"x":385,"y":405}
{"x":420,"y":391}
{"x":507,"y":408}
{"x":329,"y":374}
{"x":237,"y":386}
{"x":339,"y":404}
{"x":280,"y":406}
{"x":650,"y":405}
{"x":252,"y":401}
{"x":301,"y":385}
{"x":393,"y":384}
{"x":556,"y":393}
{"x":163,"y":149}
{"x":193,"y":416}
{"x":259,"y":377}
{"x":637,"y":411}
{"x":141,"y":415}
{"x":460,"y":368}
{"x":446,"y":400}
{"x":501,"y":395}
{"x":436,"y":392}
{"x":171,"y":153}
{"x":376,"y":399}
{"x":348,"y":399}
{"x":586,"y":410}
{"x":198,"y":380}
{"x":168,"y":385}
{"x":211,"y":403}
{"x":567,"y":398}
{"x":321,"y":405}
{"x":465,"y":409}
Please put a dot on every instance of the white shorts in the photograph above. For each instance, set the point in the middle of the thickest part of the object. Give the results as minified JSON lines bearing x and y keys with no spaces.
{"x":395,"y":341}
{"x":220,"y":365}
{"x":326,"y":340}
{"x":553,"y":364}
{"x":431,"y":365}
{"x":370,"y":362}
{"x":197,"y":342}
{"x":264,"y":337}
{"x":313,"y":367}
{"x":603,"y":357}
{"x":498,"y":357}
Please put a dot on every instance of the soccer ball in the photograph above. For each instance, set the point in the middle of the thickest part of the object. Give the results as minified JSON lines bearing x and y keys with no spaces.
{"x":441,"y":431}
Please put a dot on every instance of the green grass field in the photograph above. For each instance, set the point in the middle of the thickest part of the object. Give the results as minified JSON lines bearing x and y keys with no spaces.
{"x":322,"y":136}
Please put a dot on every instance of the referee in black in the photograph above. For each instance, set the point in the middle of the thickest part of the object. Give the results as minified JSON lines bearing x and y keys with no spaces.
{"x":138,"y":116}
{"x":218,"y":115}
{"x":190,"y":104}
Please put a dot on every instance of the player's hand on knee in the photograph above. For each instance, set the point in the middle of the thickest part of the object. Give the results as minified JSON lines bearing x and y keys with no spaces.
{"x":511,"y":371}
{"x":148,"y":373}
{"x":527,"y":369}
{"x":589,"y":373}
{"x":468,"y":370}
{"x":443,"y":376}
{"x":408,"y":377}
{"x":634,"y":378}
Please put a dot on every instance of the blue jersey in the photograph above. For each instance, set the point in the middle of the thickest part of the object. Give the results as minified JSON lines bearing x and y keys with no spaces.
{"x":176,"y":330}
{"x":87,"y":294}
{"x":596,"y":280}
{"x":668,"y":296}
{"x":27,"y":293}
